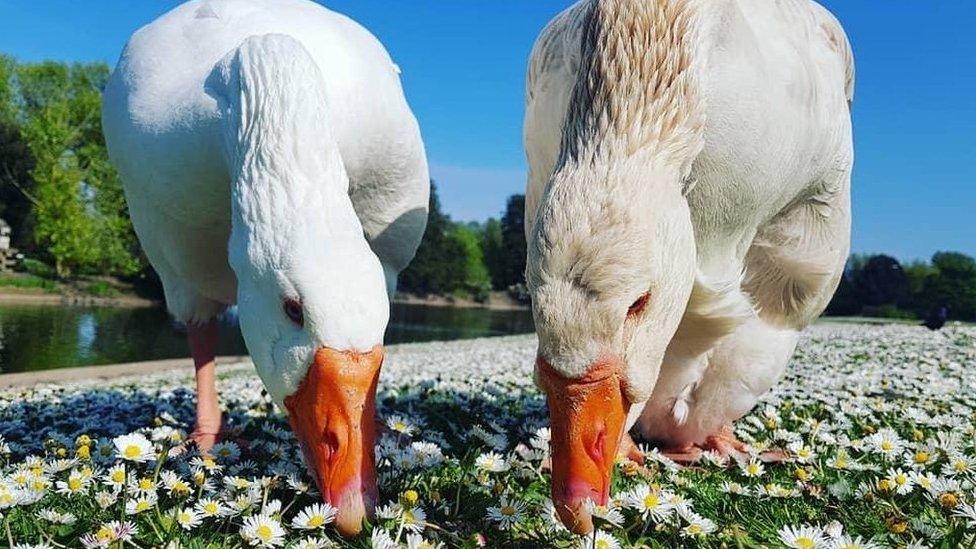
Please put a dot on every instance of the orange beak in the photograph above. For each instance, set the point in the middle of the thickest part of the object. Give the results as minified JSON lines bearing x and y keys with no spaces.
{"x":586,"y":417}
{"x":332,"y":414}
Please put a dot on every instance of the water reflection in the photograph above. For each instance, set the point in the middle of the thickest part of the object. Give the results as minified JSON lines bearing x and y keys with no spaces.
{"x":44,"y":337}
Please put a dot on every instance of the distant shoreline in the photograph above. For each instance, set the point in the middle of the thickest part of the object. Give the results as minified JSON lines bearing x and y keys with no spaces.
{"x":13,"y":296}
{"x":497,"y":301}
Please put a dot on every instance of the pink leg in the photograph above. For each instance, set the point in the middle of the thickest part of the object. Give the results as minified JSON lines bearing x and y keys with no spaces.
{"x":203,"y":348}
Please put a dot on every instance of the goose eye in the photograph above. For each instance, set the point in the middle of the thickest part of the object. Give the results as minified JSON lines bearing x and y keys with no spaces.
{"x":293,"y":310}
{"x":637,"y":307}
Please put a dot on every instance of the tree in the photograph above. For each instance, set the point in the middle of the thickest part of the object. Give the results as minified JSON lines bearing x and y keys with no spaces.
{"x":16,"y":163}
{"x":77,"y":205}
{"x":952,"y":284}
{"x":475,"y":279}
{"x":882,"y":281}
{"x":493,"y":250}
{"x":440,"y":263}
{"x":509,"y":263}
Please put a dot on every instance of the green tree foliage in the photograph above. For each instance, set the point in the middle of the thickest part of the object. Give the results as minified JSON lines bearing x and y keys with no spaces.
{"x":953,"y":284}
{"x":878,"y":285}
{"x":16,"y":163}
{"x":510,"y":266}
{"x":440,"y":263}
{"x":882,"y":281}
{"x":77,"y":214}
{"x":493,"y":248}
{"x":476,"y":280}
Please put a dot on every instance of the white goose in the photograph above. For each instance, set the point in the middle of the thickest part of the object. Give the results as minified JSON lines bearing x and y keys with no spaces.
{"x":688,"y":213}
{"x":270,"y":160}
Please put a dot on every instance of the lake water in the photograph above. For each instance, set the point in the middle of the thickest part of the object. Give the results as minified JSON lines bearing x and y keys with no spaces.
{"x":36,"y":337}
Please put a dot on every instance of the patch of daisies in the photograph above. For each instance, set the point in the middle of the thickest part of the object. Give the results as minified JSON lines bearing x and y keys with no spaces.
{"x":872,"y":429}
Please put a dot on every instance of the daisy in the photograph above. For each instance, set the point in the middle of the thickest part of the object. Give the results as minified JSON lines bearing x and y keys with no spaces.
{"x":106,"y":499}
{"x":697,"y":525}
{"x":140,"y":504}
{"x":380,"y":539}
{"x":507,"y":513}
{"x":400,"y":424}
{"x":76,"y":484}
{"x":314,"y":516}
{"x":413,"y":519}
{"x":901,"y":481}
{"x":598,"y":540}
{"x":966,"y":511}
{"x":647,"y":502}
{"x":314,"y":543}
{"x":491,"y":462}
{"x":606,"y":513}
{"x":211,"y":507}
{"x":54,"y":517}
{"x":226,"y":452}
{"x":804,"y":537}
{"x":134,"y":447}
{"x":754,"y":468}
{"x":188,"y":518}
{"x":958,"y":464}
{"x":262,"y":530}
{"x":886,"y":443}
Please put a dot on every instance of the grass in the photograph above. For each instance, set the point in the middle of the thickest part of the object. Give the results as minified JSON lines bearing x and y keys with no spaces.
{"x":877,"y":423}
{"x":28,"y":282}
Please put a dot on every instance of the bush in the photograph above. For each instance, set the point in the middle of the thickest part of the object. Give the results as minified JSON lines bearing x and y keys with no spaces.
{"x":37,"y":268}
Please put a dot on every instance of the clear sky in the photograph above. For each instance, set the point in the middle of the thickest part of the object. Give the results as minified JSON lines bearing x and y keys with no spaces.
{"x":463,"y":68}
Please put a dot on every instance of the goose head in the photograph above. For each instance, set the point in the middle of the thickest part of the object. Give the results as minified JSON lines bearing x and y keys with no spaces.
{"x":313,"y":309}
{"x":611,"y":262}
{"x":311,"y":294}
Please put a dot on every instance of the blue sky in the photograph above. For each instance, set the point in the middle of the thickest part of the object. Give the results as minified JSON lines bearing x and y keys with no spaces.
{"x":463,"y":68}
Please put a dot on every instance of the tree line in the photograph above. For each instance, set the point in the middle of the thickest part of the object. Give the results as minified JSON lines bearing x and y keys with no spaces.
{"x":878,"y":285}
{"x":66,"y":208}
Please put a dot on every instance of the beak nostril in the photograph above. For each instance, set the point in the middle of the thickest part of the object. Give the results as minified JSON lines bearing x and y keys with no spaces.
{"x":596,"y":450}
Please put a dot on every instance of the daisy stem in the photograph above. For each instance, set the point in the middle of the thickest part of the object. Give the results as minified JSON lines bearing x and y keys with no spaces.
{"x":400,"y":530}
{"x":160,"y":461}
{"x":6,"y":526}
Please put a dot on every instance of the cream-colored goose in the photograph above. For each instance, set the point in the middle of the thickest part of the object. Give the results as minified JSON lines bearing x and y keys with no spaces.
{"x":270,"y":160}
{"x":687,"y":214}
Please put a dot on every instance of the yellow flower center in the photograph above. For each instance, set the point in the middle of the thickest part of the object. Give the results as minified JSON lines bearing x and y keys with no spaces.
{"x":901,"y":479}
{"x":145,"y":483}
{"x":142,"y":505}
{"x":508,"y":510}
{"x":315,"y":521}
{"x":805,"y":543}
{"x":104,"y":533}
{"x":118,"y":475}
{"x":264,"y":532}
{"x":184,"y":518}
{"x":694,"y":529}
{"x":74,"y":484}
{"x":887,"y":445}
{"x":651,"y":501}
{"x":210,"y":508}
{"x":949,"y":500}
{"x":132,"y":451}
{"x":921,"y":457}
{"x":602,"y":544}
{"x":960,"y":466}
